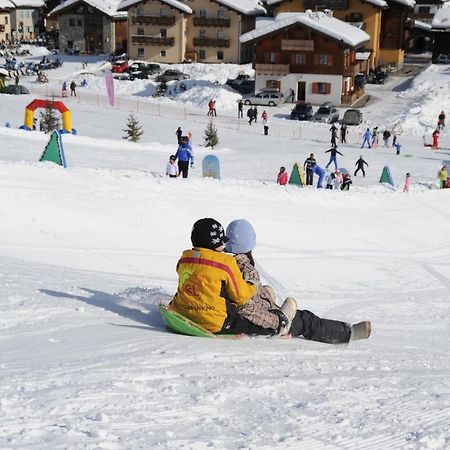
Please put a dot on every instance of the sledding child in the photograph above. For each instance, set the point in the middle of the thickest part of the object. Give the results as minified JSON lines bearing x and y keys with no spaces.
{"x":211,"y":287}
{"x":241,"y":242}
{"x":172,"y":168}
{"x":282,"y":177}
{"x":407,"y":182}
{"x":346,"y":182}
{"x":367,"y":138}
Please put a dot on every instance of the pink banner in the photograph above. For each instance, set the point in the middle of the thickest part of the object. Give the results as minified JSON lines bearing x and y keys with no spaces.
{"x":110,"y":86}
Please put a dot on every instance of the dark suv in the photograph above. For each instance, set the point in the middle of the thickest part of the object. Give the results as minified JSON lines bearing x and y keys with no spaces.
{"x":302,"y":111}
{"x":142,"y":70}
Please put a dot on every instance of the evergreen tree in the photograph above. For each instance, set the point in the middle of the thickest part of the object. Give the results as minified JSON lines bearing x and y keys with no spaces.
{"x":49,"y":119}
{"x":211,"y":138}
{"x":133,"y":130}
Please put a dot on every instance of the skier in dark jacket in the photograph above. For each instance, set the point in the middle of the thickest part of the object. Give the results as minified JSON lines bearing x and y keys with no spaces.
{"x":250,"y":115}
{"x":333,"y":152}
{"x":184,"y":154}
{"x":360,"y":166}
{"x":343,"y":133}
{"x":333,"y":131}
{"x":179,"y":133}
{"x":309,"y":165}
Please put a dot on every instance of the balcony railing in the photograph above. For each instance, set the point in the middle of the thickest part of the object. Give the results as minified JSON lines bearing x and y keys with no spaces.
{"x":153,"y":20}
{"x":351,"y":71}
{"x":207,"y":42}
{"x":153,"y":40}
{"x":272,"y":69}
{"x":352,"y":96}
{"x":211,"y":22}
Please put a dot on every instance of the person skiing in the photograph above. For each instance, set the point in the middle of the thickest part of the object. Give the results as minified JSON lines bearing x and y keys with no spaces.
{"x":360,"y":166}
{"x":443,"y":175}
{"x":333,"y":131}
{"x":250,"y":115}
{"x":367,"y":138}
{"x":73,"y":87}
{"x":375,"y":137}
{"x":262,"y":309}
{"x":309,"y":165}
{"x":64,"y":89}
{"x":407,"y":182}
{"x":172,"y":168}
{"x":343,"y":130}
{"x":184,"y":154}
{"x":386,"y":136}
{"x":179,"y":134}
{"x":212,"y":108}
{"x":240,"y":109}
{"x":333,"y":152}
{"x":265,"y":119}
{"x":255,"y":113}
{"x":346,"y":182}
{"x":441,"y":120}
{"x":435,"y":136}
{"x":282,"y":177}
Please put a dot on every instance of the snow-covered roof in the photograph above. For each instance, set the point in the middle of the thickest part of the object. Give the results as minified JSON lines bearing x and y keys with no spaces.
{"x":126,"y":4}
{"x":422,"y":25}
{"x":6,"y":4}
{"x":28,"y":3}
{"x":322,"y":22}
{"x":379,"y":3}
{"x":108,"y":7}
{"x":441,"y":17}
{"x":248,"y":7}
{"x":408,"y":3}
{"x":362,"y":56}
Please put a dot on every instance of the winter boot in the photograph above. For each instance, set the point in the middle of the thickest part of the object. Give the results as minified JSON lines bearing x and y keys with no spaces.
{"x":289,"y":309}
{"x":360,"y":330}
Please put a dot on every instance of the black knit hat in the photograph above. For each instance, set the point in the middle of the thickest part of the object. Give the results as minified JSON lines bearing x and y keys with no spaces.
{"x":208,"y":233}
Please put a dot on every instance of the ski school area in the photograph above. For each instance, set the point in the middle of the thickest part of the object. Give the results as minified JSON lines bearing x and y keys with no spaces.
{"x":92,"y":229}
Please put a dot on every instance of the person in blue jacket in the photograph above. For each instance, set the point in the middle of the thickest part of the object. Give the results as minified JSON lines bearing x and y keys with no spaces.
{"x":367,"y":138}
{"x":184,"y":154}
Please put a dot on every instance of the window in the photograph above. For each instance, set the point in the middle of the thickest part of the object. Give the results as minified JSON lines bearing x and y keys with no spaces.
{"x":202,"y":34}
{"x":221,"y":13}
{"x":79,"y":22}
{"x":298,"y":58}
{"x":273,"y":84}
{"x":202,"y":54}
{"x":202,"y":13}
{"x":220,"y":54}
{"x":321,"y":88}
{"x":272,"y":57}
{"x":163,"y":53}
{"x":140,"y":52}
{"x":163,"y":12}
{"x":71,"y":22}
{"x":6,"y":20}
{"x":163,"y":32}
{"x":424,"y":9}
{"x":323,"y":60}
{"x":221,"y":34}
{"x":140,"y":32}
{"x":140,"y":12}
{"x":356,"y":17}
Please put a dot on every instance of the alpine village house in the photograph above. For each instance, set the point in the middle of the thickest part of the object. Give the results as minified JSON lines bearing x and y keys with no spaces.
{"x":309,"y":56}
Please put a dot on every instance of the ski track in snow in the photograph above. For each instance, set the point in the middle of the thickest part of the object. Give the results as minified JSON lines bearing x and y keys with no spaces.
{"x":88,"y":253}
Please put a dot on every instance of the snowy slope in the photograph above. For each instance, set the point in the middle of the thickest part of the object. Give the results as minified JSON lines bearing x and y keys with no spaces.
{"x":86,"y":254}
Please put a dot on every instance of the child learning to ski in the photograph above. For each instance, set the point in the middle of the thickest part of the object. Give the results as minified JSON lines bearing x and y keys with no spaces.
{"x":172,"y":167}
{"x":282,"y":177}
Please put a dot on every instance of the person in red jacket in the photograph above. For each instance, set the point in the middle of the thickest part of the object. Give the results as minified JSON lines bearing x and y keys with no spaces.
{"x":282,"y":177}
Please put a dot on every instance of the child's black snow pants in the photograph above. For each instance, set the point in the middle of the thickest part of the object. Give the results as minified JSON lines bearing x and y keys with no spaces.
{"x":314,"y":328}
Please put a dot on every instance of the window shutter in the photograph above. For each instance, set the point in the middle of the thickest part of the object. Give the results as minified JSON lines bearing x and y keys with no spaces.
{"x":315,"y":88}
{"x":330,"y":60}
{"x":316,"y":60}
{"x":328,"y":88}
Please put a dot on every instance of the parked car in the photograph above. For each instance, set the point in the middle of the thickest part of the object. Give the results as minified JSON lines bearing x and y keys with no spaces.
{"x":171,"y":74}
{"x":378,"y":77}
{"x":142,"y":70}
{"x":266,"y":97}
{"x":242,"y":83}
{"x":302,"y":111}
{"x":442,"y":58}
{"x":120,"y":66}
{"x":352,"y":117}
{"x":360,"y":80}
{"x":326,"y":113}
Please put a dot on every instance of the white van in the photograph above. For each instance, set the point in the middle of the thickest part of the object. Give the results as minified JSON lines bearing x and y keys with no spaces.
{"x":266,"y":97}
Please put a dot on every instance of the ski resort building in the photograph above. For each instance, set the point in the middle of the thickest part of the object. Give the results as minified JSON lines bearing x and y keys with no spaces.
{"x":5,"y":20}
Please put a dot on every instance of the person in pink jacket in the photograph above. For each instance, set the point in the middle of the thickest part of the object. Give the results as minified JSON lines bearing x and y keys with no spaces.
{"x":282,"y":177}
{"x":407,"y":182}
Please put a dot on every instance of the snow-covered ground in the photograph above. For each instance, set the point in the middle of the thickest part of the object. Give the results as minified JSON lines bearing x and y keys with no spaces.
{"x":87,"y":253}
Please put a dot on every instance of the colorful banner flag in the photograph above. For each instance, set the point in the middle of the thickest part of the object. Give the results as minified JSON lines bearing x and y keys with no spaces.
{"x":110,"y":86}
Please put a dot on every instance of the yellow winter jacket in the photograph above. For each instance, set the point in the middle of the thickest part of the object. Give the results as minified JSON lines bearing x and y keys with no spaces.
{"x":205,"y":279}
{"x":443,"y":174}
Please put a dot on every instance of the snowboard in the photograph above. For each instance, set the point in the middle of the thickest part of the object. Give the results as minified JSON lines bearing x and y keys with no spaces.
{"x":179,"y":324}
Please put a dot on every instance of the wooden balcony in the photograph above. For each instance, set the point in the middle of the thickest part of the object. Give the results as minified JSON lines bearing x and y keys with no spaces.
{"x":153,"y":40}
{"x":272,"y":69}
{"x":352,"y":96}
{"x":211,"y":22}
{"x":153,"y":20}
{"x":207,"y":42}
{"x":352,"y":70}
